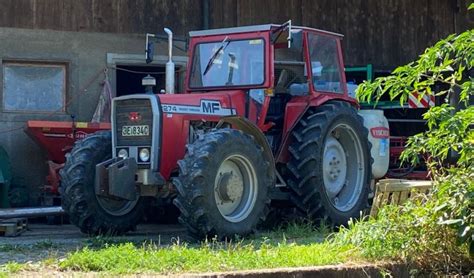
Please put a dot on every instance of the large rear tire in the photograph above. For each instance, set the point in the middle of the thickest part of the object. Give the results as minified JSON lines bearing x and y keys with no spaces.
{"x":223,"y":185}
{"x":91,"y":213}
{"x":330,"y":163}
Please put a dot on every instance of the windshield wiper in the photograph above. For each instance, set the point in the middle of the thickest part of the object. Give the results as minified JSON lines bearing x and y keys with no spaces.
{"x":214,"y":56}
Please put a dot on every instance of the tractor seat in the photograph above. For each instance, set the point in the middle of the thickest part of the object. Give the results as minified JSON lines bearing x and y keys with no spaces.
{"x":290,"y":82}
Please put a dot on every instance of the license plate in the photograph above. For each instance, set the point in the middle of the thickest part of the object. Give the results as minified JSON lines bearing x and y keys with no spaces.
{"x":135,"y":130}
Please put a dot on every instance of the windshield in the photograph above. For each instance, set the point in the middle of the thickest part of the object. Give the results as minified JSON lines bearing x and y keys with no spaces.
{"x":228,"y":63}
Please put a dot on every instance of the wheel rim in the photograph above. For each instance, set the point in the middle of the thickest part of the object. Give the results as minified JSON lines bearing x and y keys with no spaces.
{"x":116,"y":207}
{"x":343,"y":167}
{"x":235,"y":188}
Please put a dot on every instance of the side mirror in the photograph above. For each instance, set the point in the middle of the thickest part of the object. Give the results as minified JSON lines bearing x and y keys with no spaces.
{"x":150,"y":48}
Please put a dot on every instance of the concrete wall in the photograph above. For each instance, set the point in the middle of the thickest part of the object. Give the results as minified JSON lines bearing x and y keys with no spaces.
{"x":86,"y":56}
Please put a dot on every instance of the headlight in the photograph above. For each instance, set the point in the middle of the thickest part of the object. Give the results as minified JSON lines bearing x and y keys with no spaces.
{"x":144,"y":154}
{"x":123,"y":153}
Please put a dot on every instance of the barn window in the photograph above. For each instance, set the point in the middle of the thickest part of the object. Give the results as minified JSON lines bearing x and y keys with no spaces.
{"x":34,"y":87}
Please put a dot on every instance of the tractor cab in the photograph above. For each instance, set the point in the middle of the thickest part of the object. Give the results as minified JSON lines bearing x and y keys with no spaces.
{"x":274,"y":65}
{"x":263,"y":60}
{"x":293,"y":60}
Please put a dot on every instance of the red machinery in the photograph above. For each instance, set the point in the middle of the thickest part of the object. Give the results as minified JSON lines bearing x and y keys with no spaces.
{"x":396,"y":169}
{"x":58,"y":138}
{"x":271,"y":123}
{"x":265,"y":119}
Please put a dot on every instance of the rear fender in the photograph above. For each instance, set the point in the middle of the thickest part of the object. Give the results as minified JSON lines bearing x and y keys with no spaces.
{"x":250,"y":128}
{"x":294,"y":111}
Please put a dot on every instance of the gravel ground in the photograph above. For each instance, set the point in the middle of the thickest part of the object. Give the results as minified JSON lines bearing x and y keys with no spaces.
{"x":40,"y":241}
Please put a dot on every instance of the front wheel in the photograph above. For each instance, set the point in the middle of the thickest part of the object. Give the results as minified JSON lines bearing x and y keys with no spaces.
{"x":91,"y":213}
{"x":223,"y":185}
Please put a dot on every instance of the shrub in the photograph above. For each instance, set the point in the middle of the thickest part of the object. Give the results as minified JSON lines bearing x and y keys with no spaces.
{"x":435,"y":232}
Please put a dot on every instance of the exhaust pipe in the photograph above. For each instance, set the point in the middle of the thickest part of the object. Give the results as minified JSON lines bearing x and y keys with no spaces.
{"x":169,"y":65}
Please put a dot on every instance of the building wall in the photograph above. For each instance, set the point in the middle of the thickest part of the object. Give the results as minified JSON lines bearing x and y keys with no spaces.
{"x":111,"y":16}
{"x":85,"y":55}
{"x":81,"y":33}
{"x":386,"y":33}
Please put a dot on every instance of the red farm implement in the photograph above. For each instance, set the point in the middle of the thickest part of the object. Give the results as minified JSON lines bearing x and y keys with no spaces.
{"x":58,"y":138}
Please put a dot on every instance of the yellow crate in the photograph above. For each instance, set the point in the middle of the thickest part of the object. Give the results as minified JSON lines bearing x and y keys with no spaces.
{"x":396,"y":192}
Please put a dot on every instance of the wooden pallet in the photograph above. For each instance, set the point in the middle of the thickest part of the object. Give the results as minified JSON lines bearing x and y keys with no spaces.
{"x":396,"y":192}
{"x":13,"y":227}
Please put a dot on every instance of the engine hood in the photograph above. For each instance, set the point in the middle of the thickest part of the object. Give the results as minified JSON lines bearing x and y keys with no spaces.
{"x":225,"y":103}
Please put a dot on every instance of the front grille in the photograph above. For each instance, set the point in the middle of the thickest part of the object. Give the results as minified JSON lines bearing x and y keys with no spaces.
{"x":123,"y":109}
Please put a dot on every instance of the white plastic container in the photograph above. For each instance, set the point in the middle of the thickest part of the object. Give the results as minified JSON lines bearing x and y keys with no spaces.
{"x":379,"y":136}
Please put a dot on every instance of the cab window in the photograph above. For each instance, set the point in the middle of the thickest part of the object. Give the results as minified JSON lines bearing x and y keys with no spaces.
{"x":290,"y":74}
{"x":325,"y":67}
{"x":228,"y":63}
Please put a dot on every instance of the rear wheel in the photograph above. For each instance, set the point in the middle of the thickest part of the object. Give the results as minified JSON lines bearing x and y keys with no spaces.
{"x":330,"y":163}
{"x":223,"y":185}
{"x":91,"y":213}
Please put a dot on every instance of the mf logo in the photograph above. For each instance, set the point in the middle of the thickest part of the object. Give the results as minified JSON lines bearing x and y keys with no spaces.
{"x":206,"y":107}
{"x":210,"y":107}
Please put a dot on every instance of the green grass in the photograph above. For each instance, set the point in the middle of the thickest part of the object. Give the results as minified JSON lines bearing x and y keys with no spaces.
{"x":294,"y":245}
{"x":11,"y":268}
{"x":40,"y":245}
{"x":214,"y":256}
{"x":13,"y":248}
{"x":398,"y":234}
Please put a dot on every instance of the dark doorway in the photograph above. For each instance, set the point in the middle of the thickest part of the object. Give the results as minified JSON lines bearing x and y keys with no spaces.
{"x":129,"y":79}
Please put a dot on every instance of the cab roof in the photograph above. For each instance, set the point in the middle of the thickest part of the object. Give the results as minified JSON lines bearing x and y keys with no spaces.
{"x":252,"y":28}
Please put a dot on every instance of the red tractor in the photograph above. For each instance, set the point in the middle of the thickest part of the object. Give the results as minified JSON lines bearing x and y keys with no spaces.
{"x":265,"y":116}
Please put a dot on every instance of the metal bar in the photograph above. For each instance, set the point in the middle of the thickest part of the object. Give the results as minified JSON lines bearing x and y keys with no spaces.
{"x":30,"y":212}
{"x":165,"y":37}
{"x":368,"y":69}
{"x":384,"y":105}
{"x":406,"y":121}
{"x":370,"y":72}
{"x":352,"y":69}
{"x":289,"y":63}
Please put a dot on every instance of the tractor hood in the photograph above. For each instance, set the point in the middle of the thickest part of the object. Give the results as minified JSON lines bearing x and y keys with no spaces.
{"x":198,"y":105}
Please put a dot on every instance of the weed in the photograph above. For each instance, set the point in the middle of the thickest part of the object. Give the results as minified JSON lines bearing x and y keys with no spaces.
{"x":299,"y":231}
{"x":98,"y":242}
{"x":412,"y":233}
{"x":45,"y":244}
{"x":12,"y":248}
{"x":11,"y":267}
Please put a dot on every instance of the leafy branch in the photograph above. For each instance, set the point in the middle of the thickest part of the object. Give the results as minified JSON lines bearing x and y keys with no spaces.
{"x":446,"y":71}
